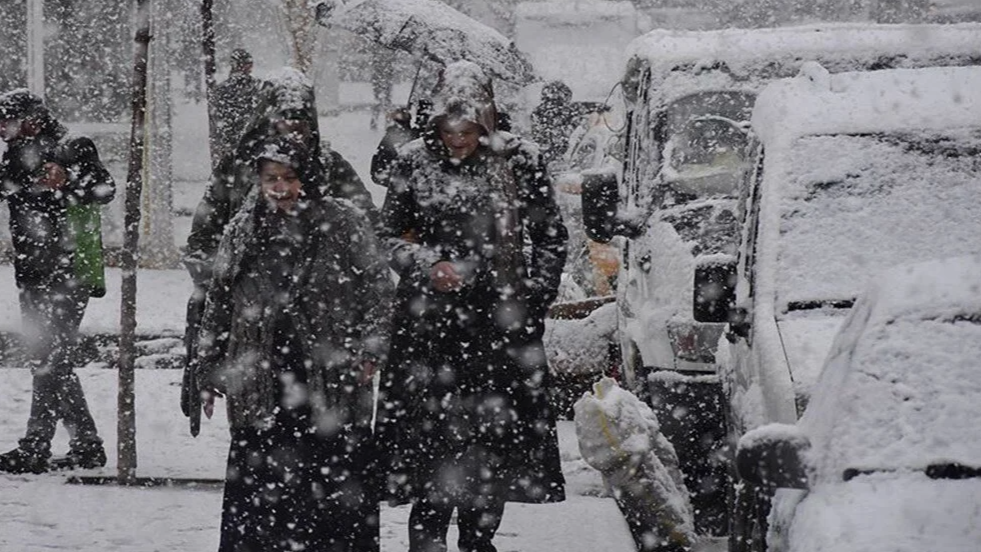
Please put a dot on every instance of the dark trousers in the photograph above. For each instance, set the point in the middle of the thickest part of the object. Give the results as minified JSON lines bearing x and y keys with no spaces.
{"x":477,"y":525}
{"x":284,"y":493}
{"x":51,"y":317}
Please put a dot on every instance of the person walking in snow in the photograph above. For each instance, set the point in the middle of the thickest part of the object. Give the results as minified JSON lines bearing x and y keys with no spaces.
{"x":286,"y":108}
{"x":295,"y":323}
{"x":476,"y":237}
{"x":553,"y":120}
{"x":44,"y":174}
{"x":234,"y":102}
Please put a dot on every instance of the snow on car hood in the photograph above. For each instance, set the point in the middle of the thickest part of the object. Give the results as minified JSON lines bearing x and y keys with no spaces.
{"x":889,"y":512}
{"x":807,"y":338}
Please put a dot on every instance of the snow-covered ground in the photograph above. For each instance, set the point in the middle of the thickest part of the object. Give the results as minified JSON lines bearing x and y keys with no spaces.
{"x":43,"y":512}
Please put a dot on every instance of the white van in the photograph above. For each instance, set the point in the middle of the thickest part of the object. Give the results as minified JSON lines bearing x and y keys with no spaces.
{"x":690,"y":157}
{"x":857,"y":172}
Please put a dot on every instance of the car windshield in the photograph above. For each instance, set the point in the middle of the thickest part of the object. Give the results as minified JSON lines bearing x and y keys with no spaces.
{"x":908,"y":399}
{"x":706,"y":147}
{"x":853,"y":205}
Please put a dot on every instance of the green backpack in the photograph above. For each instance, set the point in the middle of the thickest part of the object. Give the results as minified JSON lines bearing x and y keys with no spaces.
{"x":85,"y":222}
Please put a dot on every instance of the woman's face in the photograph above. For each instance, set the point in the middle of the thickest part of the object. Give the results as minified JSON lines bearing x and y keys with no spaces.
{"x":280,"y":185}
{"x":461,"y":138}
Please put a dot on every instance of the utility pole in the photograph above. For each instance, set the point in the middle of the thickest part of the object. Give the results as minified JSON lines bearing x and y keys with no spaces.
{"x":126,"y":428}
{"x":208,"y":49}
{"x":35,"y":46}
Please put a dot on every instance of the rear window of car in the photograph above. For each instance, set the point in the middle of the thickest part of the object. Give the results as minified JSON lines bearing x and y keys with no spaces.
{"x":852,"y":205}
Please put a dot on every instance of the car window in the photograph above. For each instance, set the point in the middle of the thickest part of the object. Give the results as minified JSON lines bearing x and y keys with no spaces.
{"x":853,"y":205}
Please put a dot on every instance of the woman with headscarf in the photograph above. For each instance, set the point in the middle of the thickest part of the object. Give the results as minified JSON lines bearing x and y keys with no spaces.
{"x":295,"y":322}
{"x":286,"y":108}
{"x":479,"y":245}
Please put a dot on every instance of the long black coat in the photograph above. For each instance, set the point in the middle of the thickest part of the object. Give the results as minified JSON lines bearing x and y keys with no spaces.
{"x":39,"y":226}
{"x":464,"y":409}
{"x":301,"y":299}
{"x":337,"y":302}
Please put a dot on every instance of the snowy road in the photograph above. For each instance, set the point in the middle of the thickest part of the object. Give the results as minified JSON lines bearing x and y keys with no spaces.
{"x":43,"y":513}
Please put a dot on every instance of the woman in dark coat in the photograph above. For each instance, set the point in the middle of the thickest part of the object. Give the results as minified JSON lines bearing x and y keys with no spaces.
{"x":296,"y":320}
{"x":479,"y":245}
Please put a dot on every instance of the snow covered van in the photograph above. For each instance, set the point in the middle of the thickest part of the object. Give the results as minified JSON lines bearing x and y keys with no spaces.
{"x":690,"y":157}
{"x":856,"y":172}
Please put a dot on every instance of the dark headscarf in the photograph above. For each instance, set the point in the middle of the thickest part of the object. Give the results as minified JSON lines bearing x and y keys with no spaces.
{"x":288,"y":95}
{"x":21,"y":103}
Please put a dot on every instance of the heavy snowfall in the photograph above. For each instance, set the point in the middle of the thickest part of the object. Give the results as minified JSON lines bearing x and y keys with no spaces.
{"x":577,"y":275}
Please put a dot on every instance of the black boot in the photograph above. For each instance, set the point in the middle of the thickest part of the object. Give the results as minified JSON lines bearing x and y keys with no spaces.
{"x":87,"y":457}
{"x":23,"y":461}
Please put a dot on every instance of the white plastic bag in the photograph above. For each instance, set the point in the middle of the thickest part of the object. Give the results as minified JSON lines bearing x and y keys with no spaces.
{"x":620,"y":436}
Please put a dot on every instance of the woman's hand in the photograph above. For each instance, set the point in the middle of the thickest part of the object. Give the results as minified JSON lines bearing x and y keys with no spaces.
{"x":368,"y":368}
{"x":208,"y":401}
{"x":53,"y":176}
{"x":444,"y":277}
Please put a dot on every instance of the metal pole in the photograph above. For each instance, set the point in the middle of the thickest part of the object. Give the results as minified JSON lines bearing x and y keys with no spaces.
{"x":208,"y":49}
{"x":35,"y":46}
{"x":126,"y":428}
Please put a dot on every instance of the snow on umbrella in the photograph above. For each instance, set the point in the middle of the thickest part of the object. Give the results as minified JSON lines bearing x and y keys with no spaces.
{"x":432,"y":30}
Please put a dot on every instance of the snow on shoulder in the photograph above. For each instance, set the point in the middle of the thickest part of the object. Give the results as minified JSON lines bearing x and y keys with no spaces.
{"x":895,"y":100}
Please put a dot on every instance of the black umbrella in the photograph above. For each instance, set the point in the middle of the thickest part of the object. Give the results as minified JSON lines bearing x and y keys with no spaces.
{"x":431,"y":30}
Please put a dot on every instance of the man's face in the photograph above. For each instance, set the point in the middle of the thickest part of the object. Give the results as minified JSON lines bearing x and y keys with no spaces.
{"x":280,"y":185}
{"x":461,"y":138}
{"x":10,"y":129}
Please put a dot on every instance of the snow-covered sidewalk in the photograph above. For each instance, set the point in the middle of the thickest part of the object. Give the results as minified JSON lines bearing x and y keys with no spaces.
{"x":44,"y":513}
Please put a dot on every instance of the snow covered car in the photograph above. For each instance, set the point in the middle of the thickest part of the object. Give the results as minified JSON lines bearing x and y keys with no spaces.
{"x":857,"y":172}
{"x":887,"y":456}
{"x":690,"y":159}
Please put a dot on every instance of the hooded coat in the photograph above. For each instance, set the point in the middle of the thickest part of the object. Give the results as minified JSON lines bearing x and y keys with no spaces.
{"x":464,"y":408}
{"x":289,"y":95}
{"x":298,"y":306}
{"x":554,"y":120}
{"x":39,"y":227}
{"x":333,"y":293}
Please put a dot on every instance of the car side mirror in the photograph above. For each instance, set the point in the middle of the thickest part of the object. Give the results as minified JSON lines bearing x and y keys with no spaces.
{"x":714,"y":292}
{"x":772,"y":456}
{"x":740,"y":324}
{"x":600,"y":196}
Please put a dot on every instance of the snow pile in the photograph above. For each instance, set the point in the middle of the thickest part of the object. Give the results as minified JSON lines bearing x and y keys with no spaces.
{"x":888,"y":513}
{"x":620,"y":436}
{"x":580,"y":347}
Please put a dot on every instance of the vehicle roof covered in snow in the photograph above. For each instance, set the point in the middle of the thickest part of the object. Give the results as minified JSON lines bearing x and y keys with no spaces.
{"x":895,"y":100}
{"x":740,"y":49}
